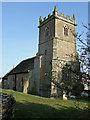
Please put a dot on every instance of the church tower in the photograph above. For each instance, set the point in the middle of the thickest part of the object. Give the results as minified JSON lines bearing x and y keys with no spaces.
{"x":57,"y":47}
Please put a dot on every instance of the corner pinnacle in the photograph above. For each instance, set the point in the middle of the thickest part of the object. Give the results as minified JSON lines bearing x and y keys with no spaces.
{"x":74,"y":17}
{"x":55,"y":8}
{"x":40,"y":19}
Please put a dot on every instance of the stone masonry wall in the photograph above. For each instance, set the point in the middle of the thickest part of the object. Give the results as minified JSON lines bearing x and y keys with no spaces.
{"x":22,"y":82}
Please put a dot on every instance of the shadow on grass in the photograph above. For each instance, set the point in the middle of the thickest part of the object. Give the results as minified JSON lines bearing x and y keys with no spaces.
{"x":27,"y":110}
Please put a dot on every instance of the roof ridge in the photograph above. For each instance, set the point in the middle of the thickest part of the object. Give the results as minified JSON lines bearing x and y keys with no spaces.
{"x":28,"y":59}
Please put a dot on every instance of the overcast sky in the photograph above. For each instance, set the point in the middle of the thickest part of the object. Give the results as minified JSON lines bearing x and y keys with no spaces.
{"x":20,"y":27}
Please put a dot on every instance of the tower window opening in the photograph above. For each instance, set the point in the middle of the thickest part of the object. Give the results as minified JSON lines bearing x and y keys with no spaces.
{"x":46,"y":31}
{"x":65,"y":31}
{"x":45,"y":52}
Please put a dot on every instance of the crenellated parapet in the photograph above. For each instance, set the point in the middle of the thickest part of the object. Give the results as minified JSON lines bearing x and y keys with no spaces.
{"x":55,"y":14}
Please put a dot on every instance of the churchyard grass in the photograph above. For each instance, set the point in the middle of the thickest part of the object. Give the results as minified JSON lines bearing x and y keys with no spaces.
{"x":31,"y":106}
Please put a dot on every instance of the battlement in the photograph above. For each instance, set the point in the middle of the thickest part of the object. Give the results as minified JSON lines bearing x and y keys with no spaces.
{"x":55,"y":14}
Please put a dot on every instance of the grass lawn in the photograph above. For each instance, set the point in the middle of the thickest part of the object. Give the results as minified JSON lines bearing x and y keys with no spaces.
{"x":31,"y":106}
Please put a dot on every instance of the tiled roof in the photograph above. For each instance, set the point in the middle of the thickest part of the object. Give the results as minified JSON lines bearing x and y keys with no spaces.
{"x":23,"y":66}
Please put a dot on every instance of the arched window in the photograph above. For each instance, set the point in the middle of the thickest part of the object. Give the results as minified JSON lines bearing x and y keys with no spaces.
{"x":66,"y":30}
{"x":66,"y":75}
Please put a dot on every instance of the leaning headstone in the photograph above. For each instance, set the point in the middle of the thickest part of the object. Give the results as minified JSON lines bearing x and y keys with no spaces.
{"x":64,"y":96}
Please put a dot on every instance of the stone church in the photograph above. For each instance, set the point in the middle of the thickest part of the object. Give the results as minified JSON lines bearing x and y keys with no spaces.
{"x":56,"y":49}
